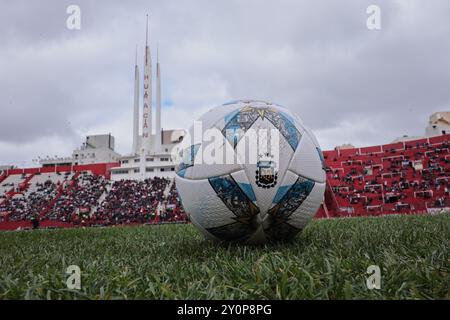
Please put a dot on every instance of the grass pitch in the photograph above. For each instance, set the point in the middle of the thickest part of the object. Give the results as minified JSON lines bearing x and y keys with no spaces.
{"x":327,"y":261}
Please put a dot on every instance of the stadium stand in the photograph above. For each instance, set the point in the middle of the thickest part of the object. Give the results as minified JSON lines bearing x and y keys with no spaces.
{"x":77,"y":198}
{"x":149,"y":201}
{"x":402,"y":178}
{"x":11,"y":184}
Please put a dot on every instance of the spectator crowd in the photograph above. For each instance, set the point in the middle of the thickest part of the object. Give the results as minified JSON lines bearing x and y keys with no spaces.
{"x":89,"y":199}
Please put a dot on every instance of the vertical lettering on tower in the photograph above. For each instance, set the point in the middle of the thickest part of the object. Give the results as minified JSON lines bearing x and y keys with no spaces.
{"x":146,"y":121}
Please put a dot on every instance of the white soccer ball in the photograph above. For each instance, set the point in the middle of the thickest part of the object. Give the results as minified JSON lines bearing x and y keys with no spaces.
{"x":250,"y":171}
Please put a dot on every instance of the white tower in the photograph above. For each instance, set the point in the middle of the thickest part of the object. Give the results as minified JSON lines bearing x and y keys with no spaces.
{"x":147,"y":108}
{"x":158,"y":132}
{"x":134,"y":149}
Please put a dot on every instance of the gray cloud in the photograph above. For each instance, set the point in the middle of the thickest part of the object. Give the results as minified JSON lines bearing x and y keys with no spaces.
{"x":349,"y":84}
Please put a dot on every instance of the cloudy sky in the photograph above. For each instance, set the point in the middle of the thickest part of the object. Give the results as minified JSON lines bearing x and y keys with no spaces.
{"x":318,"y":58}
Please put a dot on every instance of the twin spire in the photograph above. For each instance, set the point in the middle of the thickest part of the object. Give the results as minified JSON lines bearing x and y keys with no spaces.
{"x":143,"y":144}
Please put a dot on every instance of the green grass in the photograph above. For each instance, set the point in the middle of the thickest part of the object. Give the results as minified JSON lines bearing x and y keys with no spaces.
{"x":327,"y":261}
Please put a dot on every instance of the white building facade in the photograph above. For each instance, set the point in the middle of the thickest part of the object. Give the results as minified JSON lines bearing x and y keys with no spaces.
{"x":96,"y":149}
{"x":154,"y":163}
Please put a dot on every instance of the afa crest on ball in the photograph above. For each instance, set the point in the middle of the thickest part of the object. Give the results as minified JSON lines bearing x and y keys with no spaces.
{"x":250,"y":171}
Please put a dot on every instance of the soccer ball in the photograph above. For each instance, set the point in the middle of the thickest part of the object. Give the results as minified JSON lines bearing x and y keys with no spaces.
{"x":250,"y":171}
